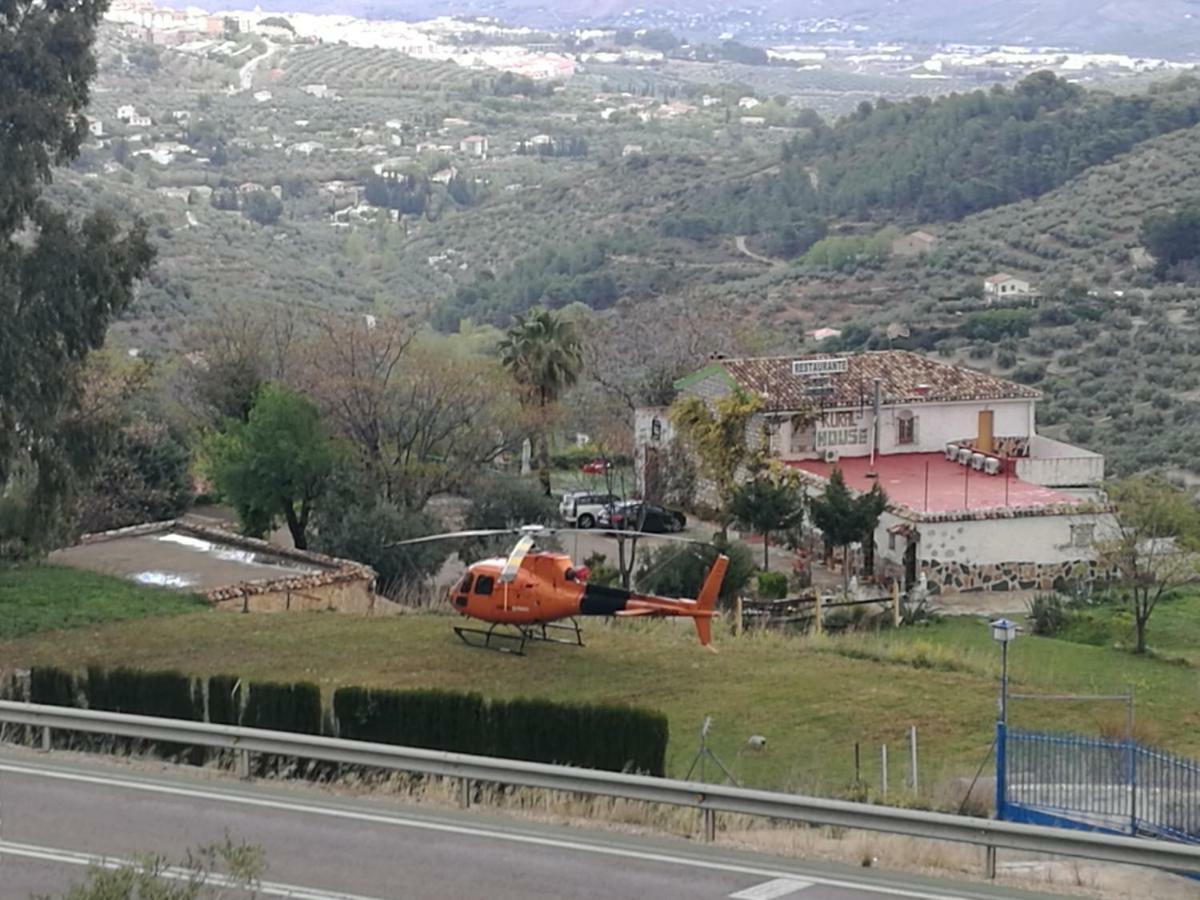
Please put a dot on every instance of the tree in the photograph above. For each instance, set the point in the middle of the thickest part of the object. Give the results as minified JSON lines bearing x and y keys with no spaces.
{"x":421,"y":416}
{"x":61,"y":281}
{"x":354,"y":522}
{"x":770,"y":502}
{"x":277,"y":463}
{"x":503,"y":501}
{"x":1154,"y":547}
{"x":544,"y":354}
{"x":678,"y":570}
{"x":262,"y":207}
{"x":847,"y":519}
{"x":720,"y":439}
{"x":143,"y":478}
{"x":1172,"y":238}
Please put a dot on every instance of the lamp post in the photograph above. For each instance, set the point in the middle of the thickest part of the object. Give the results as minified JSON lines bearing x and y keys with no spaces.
{"x":1004,"y":633}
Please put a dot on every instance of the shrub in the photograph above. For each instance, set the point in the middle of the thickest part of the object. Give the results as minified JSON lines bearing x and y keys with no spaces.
{"x":772,"y":585}
{"x":676,"y":570}
{"x":1048,"y":615}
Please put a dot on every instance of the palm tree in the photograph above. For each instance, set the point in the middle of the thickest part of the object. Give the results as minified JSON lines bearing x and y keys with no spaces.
{"x":544,"y":354}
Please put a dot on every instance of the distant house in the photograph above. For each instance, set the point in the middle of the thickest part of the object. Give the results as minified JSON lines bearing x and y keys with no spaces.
{"x":136,"y":121}
{"x":95,"y":128}
{"x":126,"y":112}
{"x":748,"y":102}
{"x":709,"y":100}
{"x":474,"y":145}
{"x":262,"y":96}
{"x":320,"y":91}
{"x":444,"y":176}
{"x":305,"y":148}
{"x":182,"y":116}
{"x":631,"y":150}
{"x":914,"y":244}
{"x":753,"y":121}
{"x":823,"y":334}
{"x":675,"y":108}
{"x":250,"y":187}
{"x":1004,"y":285}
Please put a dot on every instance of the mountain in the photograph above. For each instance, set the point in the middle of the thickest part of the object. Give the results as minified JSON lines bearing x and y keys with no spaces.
{"x":1149,"y":27}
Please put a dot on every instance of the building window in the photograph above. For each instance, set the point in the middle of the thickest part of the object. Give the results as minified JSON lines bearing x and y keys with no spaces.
{"x":656,"y":429}
{"x":1083,"y":536}
{"x":907,"y":429}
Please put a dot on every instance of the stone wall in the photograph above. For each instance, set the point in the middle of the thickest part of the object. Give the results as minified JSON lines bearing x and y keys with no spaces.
{"x":1009,"y":576}
{"x":354,"y":596}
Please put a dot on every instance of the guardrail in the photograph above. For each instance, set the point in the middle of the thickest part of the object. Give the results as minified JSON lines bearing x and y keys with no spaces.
{"x":710,"y":799}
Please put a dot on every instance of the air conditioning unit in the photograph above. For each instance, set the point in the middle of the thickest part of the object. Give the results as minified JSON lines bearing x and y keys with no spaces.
{"x":952,"y":452}
{"x":831,"y":456}
{"x":992,"y":466}
{"x":977,"y":461}
{"x":964,"y":456}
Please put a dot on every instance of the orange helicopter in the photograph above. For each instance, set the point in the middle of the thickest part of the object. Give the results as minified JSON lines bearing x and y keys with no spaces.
{"x":532,"y":596}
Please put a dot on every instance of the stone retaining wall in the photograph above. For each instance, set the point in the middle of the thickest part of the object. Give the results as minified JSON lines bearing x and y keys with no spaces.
{"x":1008,"y":576}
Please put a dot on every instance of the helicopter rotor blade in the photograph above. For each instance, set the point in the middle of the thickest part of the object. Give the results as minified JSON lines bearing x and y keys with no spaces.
{"x":452,"y":535}
{"x":513,"y":564}
{"x":653,"y":537}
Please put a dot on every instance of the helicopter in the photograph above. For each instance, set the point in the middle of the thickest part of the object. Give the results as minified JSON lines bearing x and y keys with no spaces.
{"x":537,"y":595}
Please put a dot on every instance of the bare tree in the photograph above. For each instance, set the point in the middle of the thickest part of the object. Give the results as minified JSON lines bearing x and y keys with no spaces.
{"x":422,"y":414}
{"x":1155,"y":546}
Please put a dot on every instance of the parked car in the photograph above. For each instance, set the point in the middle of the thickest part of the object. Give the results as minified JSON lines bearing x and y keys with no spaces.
{"x":584,"y":508}
{"x":595,"y":467}
{"x":653,"y":519}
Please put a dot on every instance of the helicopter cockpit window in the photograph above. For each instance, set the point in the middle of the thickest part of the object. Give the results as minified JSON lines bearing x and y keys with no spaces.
{"x":465,"y":586}
{"x":483,"y":585}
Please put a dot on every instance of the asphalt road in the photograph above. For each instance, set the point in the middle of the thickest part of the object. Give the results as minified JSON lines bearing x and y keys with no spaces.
{"x":56,"y":818}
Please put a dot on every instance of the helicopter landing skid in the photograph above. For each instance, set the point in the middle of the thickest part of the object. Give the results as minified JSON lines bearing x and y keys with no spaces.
{"x":501,"y":637}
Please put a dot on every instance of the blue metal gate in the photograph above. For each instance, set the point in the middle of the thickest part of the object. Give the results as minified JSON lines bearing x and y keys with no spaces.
{"x":1096,"y":784}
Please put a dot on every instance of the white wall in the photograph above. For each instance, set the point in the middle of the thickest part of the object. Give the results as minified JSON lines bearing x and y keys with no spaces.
{"x":1055,"y":464}
{"x":1029,"y":539}
{"x":849,"y":431}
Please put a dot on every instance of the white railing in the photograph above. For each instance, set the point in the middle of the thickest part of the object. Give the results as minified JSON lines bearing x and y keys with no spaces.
{"x":710,"y":799}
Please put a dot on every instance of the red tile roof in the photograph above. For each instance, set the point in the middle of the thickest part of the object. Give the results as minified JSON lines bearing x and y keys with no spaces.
{"x":906,"y":377}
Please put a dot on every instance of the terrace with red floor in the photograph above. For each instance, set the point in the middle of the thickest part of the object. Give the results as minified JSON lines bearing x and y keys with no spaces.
{"x":928,"y":482}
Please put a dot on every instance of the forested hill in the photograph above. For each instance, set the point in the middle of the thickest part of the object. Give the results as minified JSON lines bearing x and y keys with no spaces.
{"x":944,"y":159}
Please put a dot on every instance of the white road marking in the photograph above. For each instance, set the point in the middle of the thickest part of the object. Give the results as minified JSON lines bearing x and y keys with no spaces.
{"x":70,"y":857}
{"x":769,"y":890}
{"x":474,"y":831}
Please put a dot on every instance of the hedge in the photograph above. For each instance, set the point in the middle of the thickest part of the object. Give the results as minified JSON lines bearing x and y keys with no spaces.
{"x":614,"y":738}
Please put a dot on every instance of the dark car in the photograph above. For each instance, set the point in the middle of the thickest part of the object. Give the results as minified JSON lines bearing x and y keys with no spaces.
{"x":654,"y":519}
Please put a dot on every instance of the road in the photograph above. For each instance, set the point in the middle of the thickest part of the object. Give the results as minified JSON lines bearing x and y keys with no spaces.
{"x":58,"y":816}
{"x":246,"y":72}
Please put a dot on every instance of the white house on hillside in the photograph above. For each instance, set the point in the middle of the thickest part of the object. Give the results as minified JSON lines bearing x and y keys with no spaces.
{"x":977,"y":498}
{"x":1004,"y":285}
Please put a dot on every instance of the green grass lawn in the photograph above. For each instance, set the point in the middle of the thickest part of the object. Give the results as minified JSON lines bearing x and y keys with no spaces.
{"x":37,"y":598}
{"x":812,"y":698}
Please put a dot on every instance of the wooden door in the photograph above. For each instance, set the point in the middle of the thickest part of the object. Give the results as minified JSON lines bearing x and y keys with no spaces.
{"x":985,"y":440}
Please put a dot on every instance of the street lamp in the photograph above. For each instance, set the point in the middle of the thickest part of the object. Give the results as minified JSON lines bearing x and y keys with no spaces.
{"x":1004,"y":633}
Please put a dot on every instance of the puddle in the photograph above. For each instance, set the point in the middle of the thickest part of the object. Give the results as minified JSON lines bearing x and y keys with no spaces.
{"x":162,"y":579}
{"x":234,"y":554}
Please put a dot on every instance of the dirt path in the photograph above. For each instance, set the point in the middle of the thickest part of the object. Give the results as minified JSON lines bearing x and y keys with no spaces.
{"x":740,"y":243}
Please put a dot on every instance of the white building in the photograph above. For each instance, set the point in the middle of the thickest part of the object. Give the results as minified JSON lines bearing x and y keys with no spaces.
{"x":1004,"y":285}
{"x":977,"y":498}
{"x":137,"y":121}
{"x":474,"y":145}
{"x":124,"y":113}
{"x":748,"y":102}
{"x":95,"y":128}
{"x":320,"y":91}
